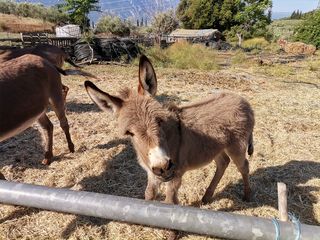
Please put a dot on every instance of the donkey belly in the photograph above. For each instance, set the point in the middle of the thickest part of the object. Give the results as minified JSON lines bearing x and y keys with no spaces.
{"x":11,"y":128}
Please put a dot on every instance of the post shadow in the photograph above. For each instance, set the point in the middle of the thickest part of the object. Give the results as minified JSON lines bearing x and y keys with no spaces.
{"x":264,"y":189}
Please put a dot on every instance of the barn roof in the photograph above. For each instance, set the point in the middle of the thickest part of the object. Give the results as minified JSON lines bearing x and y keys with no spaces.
{"x":193,"y":32}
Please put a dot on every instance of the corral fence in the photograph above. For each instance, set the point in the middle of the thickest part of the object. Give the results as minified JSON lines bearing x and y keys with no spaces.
{"x":97,"y":50}
{"x":152,"y":213}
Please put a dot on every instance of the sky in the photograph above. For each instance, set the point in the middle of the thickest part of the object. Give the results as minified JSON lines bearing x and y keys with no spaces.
{"x":291,"y":5}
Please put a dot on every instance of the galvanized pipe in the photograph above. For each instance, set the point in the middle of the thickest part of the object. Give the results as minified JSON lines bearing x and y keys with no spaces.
{"x":152,"y":213}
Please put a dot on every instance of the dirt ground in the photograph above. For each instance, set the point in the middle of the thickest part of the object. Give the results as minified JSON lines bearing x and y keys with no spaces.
{"x":286,"y":101}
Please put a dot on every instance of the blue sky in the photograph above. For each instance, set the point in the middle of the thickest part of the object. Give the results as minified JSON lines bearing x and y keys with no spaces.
{"x":291,"y":5}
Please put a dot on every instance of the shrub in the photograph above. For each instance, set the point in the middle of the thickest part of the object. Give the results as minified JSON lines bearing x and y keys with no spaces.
{"x":51,"y":14}
{"x":184,"y":55}
{"x":165,"y":23}
{"x":114,"y":25}
{"x":309,"y":30}
{"x":255,"y":43}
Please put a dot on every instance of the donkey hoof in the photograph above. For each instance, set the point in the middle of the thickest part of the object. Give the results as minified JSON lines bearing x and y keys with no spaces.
{"x":2,"y":177}
{"x":246,"y":198}
{"x":46,"y":161}
{"x":71,"y":148}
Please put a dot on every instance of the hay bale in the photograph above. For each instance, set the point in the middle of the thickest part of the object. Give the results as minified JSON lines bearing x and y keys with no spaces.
{"x":297,"y":47}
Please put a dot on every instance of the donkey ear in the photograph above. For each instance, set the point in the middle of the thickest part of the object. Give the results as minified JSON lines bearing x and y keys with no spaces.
{"x":147,"y":77}
{"x":105,"y":101}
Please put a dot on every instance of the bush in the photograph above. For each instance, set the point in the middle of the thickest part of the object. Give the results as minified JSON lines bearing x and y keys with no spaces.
{"x":255,"y":43}
{"x":283,"y":29}
{"x":309,"y":30}
{"x":184,"y":55}
{"x":51,"y":14}
{"x":114,"y":25}
{"x":165,"y":23}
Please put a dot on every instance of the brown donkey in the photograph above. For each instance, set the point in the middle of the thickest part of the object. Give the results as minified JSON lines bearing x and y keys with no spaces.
{"x":28,"y":84}
{"x":53,"y":54}
{"x":172,"y":140}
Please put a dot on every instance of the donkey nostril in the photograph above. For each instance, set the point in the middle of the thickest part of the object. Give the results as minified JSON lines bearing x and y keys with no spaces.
{"x":169,"y":165}
{"x":157,"y":171}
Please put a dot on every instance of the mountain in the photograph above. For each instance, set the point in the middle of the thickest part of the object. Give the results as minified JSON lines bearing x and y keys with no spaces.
{"x":134,"y":9}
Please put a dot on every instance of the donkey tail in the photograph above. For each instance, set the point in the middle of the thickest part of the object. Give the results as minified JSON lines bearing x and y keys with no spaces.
{"x":250,"y":145}
{"x":68,"y":60}
{"x":78,"y":72}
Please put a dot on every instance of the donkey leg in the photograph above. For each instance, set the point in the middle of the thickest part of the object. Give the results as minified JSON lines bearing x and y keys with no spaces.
{"x":59,"y":108}
{"x":172,"y":188}
{"x":222,"y":162}
{"x":2,"y":176}
{"x":238,"y":156}
{"x":47,"y":128}
{"x":152,"y":187}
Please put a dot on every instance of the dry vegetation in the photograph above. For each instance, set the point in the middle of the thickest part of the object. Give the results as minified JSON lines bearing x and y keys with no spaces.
{"x":14,"y":24}
{"x":286,"y":100}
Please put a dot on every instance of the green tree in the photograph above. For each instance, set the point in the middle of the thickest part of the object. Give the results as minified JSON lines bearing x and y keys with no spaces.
{"x":114,"y":25}
{"x":251,"y":19}
{"x":165,"y":23}
{"x":309,"y":30}
{"x":79,"y":10}
{"x":237,"y":17}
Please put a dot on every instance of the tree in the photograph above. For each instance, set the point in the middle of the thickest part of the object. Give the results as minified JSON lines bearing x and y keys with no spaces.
{"x":114,"y":25}
{"x":79,"y":10}
{"x":252,"y":20}
{"x":165,"y":23}
{"x":309,"y":30}
{"x":239,"y":17}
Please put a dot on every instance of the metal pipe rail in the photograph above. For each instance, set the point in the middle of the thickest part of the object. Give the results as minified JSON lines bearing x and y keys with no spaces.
{"x":152,"y":213}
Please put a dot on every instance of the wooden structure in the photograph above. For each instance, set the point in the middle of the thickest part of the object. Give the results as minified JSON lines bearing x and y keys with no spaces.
{"x":193,"y":35}
{"x":32,"y":39}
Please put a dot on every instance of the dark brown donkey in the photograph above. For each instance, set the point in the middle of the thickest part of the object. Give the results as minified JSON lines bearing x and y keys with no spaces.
{"x":28,"y":84}
{"x":172,"y":140}
{"x":53,"y":54}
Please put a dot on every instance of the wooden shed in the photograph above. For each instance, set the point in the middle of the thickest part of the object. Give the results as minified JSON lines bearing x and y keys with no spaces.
{"x":194,"y":35}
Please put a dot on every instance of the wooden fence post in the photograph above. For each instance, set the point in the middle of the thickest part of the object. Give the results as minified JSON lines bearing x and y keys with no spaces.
{"x":282,"y":202}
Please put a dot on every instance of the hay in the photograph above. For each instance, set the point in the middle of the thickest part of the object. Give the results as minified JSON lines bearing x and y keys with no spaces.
{"x":286,"y":141}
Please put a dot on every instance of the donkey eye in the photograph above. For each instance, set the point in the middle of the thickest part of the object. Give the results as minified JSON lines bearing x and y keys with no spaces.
{"x":129,"y":133}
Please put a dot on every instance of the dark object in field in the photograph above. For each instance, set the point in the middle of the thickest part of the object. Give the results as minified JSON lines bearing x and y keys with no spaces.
{"x":106,"y":49}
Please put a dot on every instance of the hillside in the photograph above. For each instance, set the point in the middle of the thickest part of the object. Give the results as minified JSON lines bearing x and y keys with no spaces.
{"x":135,"y":9}
{"x":15,"y":24}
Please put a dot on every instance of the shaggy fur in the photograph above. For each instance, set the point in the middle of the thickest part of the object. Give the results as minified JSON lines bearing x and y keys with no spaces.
{"x":218,"y":128}
{"x":28,"y":84}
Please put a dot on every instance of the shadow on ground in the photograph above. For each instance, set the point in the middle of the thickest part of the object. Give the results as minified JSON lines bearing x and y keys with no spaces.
{"x":122,"y":177}
{"x":81,"y":107}
{"x":23,"y":151}
{"x":264,"y":189}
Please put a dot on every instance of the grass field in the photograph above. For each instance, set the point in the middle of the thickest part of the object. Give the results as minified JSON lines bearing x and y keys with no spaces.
{"x":285,"y":97}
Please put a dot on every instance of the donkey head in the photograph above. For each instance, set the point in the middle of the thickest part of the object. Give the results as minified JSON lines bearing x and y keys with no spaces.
{"x":153,"y":128}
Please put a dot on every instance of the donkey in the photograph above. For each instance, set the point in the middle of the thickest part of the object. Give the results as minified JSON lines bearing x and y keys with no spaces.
{"x":28,"y":84}
{"x":171,"y":140}
{"x":53,"y":54}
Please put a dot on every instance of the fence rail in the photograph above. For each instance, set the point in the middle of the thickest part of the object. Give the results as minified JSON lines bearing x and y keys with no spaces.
{"x":152,"y":213}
